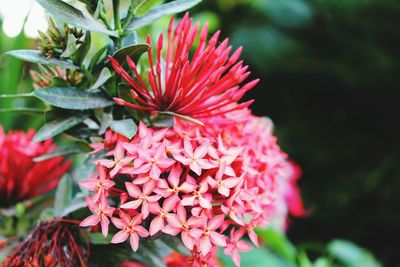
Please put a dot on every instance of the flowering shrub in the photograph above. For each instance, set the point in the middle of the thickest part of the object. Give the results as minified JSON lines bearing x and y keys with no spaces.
{"x":178,"y":156}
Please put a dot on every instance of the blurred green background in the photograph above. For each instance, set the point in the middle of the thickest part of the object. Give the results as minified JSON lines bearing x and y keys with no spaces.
{"x":330,"y":82}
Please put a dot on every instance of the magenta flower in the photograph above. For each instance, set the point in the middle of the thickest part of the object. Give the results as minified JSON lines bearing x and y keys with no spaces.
{"x":200,"y":86}
{"x":130,"y":227}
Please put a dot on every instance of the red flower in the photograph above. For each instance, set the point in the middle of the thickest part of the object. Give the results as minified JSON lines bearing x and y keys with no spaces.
{"x":22,"y":178}
{"x":199,"y":86}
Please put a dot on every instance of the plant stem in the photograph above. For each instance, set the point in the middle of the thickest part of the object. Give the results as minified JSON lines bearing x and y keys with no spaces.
{"x":117,"y":24}
{"x":17,"y":96}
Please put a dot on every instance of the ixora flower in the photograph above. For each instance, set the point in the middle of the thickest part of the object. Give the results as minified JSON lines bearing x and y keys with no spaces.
{"x":22,"y":178}
{"x":198,"y":86}
{"x":53,"y":243}
{"x":207,"y":185}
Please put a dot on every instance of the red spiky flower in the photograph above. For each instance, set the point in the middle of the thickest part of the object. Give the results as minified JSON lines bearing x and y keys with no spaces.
{"x":198,"y":86}
{"x":22,"y":178}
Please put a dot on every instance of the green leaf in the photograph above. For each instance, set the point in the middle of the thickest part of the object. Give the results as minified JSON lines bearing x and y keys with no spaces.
{"x":105,"y":122}
{"x":35,"y":56}
{"x":99,"y":239}
{"x":254,"y":258}
{"x":278,"y":243}
{"x":96,"y":58}
{"x":70,"y":15}
{"x":141,"y":7}
{"x":72,"y":98}
{"x":352,"y":255}
{"x":161,"y":11}
{"x":27,"y":111}
{"x":63,"y":195}
{"x":60,"y":152}
{"x":83,"y":49}
{"x":104,"y":75}
{"x":127,"y":128}
{"x":77,"y":203}
{"x":133,"y":51}
{"x":71,"y":46}
{"x":58,"y":126}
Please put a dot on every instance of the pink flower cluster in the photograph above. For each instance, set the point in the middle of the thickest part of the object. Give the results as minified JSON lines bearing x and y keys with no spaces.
{"x":208,"y":185}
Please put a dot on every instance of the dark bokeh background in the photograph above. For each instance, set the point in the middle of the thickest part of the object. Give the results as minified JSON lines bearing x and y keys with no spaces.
{"x":330,"y":72}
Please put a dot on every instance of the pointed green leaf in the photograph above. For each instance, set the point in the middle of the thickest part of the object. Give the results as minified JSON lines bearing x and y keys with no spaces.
{"x":352,"y":255}
{"x":133,"y":51}
{"x":77,"y":203}
{"x":63,"y":195}
{"x":127,"y":128}
{"x":70,"y":15}
{"x":35,"y":56}
{"x":104,"y":75}
{"x":58,"y":126}
{"x":60,"y":152}
{"x":27,"y":111}
{"x":141,"y":7}
{"x":71,"y":46}
{"x":72,"y":98}
{"x":99,"y":239}
{"x":83,"y":49}
{"x":161,"y":11}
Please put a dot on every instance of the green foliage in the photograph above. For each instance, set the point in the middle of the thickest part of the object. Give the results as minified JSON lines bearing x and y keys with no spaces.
{"x":72,"y":98}
{"x":57,"y":126}
{"x":351,"y":255}
{"x":63,"y":195}
{"x":72,"y":16}
{"x":127,"y":127}
{"x":132,"y":51}
{"x":36,"y":57}
{"x":161,"y":11}
{"x":280,"y":252}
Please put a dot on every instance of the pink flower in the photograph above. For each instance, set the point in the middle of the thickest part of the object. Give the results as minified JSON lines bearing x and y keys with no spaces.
{"x":162,"y":214}
{"x":235,"y":245}
{"x":101,"y":211}
{"x":200,"y":196}
{"x":178,"y":223}
{"x":173,"y":179}
{"x":208,"y":235}
{"x":152,"y":161}
{"x":195,"y":160}
{"x":200,"y":86}
{"x":130,"y":227}
{"x":141,"y":198}
{"x":119,"y":160}
{"x":99,"y":184}
{"x":223,"y":185}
